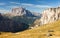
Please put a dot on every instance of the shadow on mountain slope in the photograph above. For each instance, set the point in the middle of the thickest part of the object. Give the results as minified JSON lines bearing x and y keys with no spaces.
{"x":8,"y":25}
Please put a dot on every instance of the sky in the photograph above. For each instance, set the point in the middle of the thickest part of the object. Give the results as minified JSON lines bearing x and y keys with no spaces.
{"x":39,"y":5}
{"x":32,"y":5}
{"x":7,"y":5}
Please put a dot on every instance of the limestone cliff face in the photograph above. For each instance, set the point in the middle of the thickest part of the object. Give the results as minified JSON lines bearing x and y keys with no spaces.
{"x":18,"y":11}
{"x":50,"y":15}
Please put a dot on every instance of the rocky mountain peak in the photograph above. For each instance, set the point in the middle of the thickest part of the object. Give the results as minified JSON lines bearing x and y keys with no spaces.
{"x":50,"y":15}
{"x":18,"y":11}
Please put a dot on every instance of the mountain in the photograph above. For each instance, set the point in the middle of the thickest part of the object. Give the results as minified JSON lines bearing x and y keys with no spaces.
{"x":20,"y":11}
{"x":22,"y":15}
{"x":9,"y":25}
{"x":50,"y":15}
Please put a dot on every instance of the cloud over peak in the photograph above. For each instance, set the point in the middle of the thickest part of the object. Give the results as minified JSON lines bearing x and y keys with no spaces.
{"x":14,"y":3}
{"x":27,"y":4}
{"x":36,"y":6}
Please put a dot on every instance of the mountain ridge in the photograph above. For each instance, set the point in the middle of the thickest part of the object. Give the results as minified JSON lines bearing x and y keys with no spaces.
{"x":20,"y":11}
{"x":48,"y":16}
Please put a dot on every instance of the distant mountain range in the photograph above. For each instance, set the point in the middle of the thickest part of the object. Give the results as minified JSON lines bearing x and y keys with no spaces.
{"x":20,"y":11}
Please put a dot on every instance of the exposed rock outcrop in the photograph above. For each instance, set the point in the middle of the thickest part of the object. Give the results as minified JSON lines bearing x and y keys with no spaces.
{"x":50,"y":15}
{"x":18,"y":11}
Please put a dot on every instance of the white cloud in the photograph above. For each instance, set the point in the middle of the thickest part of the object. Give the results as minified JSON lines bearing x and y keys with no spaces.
{"x":27,"y":4}
{"x":2,"y":3}
{"x":37,"y":6}
{"x":3,"y":11}
{"x":42,"y":6}
{"x":13,"y":6}
{"x":14,"y":3}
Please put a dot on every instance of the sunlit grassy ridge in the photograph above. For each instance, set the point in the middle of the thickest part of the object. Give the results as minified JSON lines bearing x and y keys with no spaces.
{"x":39,"y":32}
